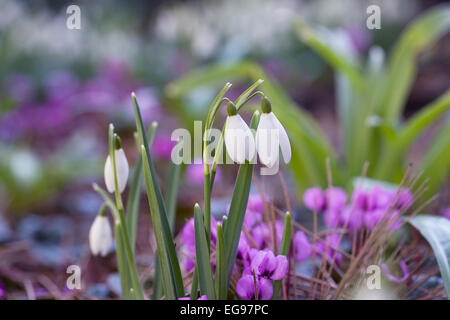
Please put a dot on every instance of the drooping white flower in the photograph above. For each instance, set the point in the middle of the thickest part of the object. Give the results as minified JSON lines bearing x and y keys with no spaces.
{"x":122,"y":171}
{"x":271,"y":137}
{"x":238,"y":137}
{"x":100,"y":238}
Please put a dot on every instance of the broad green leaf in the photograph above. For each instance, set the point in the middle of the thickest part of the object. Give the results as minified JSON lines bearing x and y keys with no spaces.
{"x":436,"y":230}
{"x":436,"y":162}
{"x":393,"y":153}
{"x":338,"y":60}
{"x":284,"y":250}
{"x":421,"y":34}
{"x":202,"y":255}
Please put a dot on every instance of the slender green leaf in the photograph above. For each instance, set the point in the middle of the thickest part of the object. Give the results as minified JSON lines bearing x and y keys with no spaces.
{"x":171,"y":203}
{"x":221,"y":267}
{"x":172,"y":280}
{"x":284,"y":250}
{"x":166,"y":268}
{"x":202,"y":255}
{"x":135,"y":193}
{"x":125,"y":279}
{"x":436,"y":230}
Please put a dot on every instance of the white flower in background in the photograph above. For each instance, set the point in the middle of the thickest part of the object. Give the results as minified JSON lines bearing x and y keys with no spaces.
{"x":238,"y":137}
{"x":271,"y":137}
{"x":122,"y":171}
{"x":100,"y":238}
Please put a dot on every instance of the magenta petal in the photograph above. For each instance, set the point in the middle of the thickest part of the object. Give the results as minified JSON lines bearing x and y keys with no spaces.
{"x":265,"y":289}
{"x":314,"y":199}
{"x":245,"y":287}
{"x":303,"y":248}
{"x":282,"y":266}
{"x":335,"y":198}
{"x":255,"y":203}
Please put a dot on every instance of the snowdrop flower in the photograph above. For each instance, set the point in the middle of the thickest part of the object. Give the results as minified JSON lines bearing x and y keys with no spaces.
{"x":271,"y":137}
{"x":239,"y":140}
{"x":100,"y":238}
{"x":122,"y":170}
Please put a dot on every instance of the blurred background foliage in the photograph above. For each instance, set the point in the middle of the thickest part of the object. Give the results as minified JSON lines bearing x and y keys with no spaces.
{"x":59,"y":88}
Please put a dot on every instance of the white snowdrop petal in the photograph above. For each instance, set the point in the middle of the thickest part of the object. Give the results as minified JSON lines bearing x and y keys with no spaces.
{"x":122,"y":169}
{"x":239,"y":140}
{"x":100,"y":237}
{"x":267,"y":141}
{"x":285,"y":145}
{"x":109,"y":175}
{"x":247,"y":140}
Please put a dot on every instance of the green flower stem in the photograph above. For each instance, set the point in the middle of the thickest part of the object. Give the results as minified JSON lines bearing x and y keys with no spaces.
{"x":206,"y":179}
{"x":126,"y":239}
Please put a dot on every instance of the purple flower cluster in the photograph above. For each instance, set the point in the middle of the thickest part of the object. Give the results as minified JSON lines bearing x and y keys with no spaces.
{"x":51,"y":109}
{"x":255,"y":261}
{"x":366,"y":208}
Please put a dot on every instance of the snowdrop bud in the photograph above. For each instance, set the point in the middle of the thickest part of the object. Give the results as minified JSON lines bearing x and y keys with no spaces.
{"x":238,"y":137}
{"x":100,"y":238}
{"x":122,"y":170}
{"x":271,"y":137}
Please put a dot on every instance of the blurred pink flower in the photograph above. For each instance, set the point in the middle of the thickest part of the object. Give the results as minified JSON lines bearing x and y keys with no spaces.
{"x":303,"y":248}
{"x":314,"y":199}
{"x":335,"y":198}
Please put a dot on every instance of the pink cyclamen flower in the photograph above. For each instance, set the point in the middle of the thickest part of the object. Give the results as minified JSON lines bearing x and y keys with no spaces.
{"x":256,"y":203}
{"x":262,"y":234}
{"x":335,"y":198}
{"x":303,"y":248}
{"x":328,"y":248}
{"x":379,"y":198}
{"x":162,"y":146}
{"x":359,"y":198}
{"x":393,"y":278}
{"x":331,"y":217}
{"x":188,"y":238}
{"x":195,"y":173}
{"x":405,"y":199}
{"x":266,"y":267}
{"x":372,"y":218}
{"x":352,"y":218}
{"x":245,"y":288}
{"x":314,"y":199}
